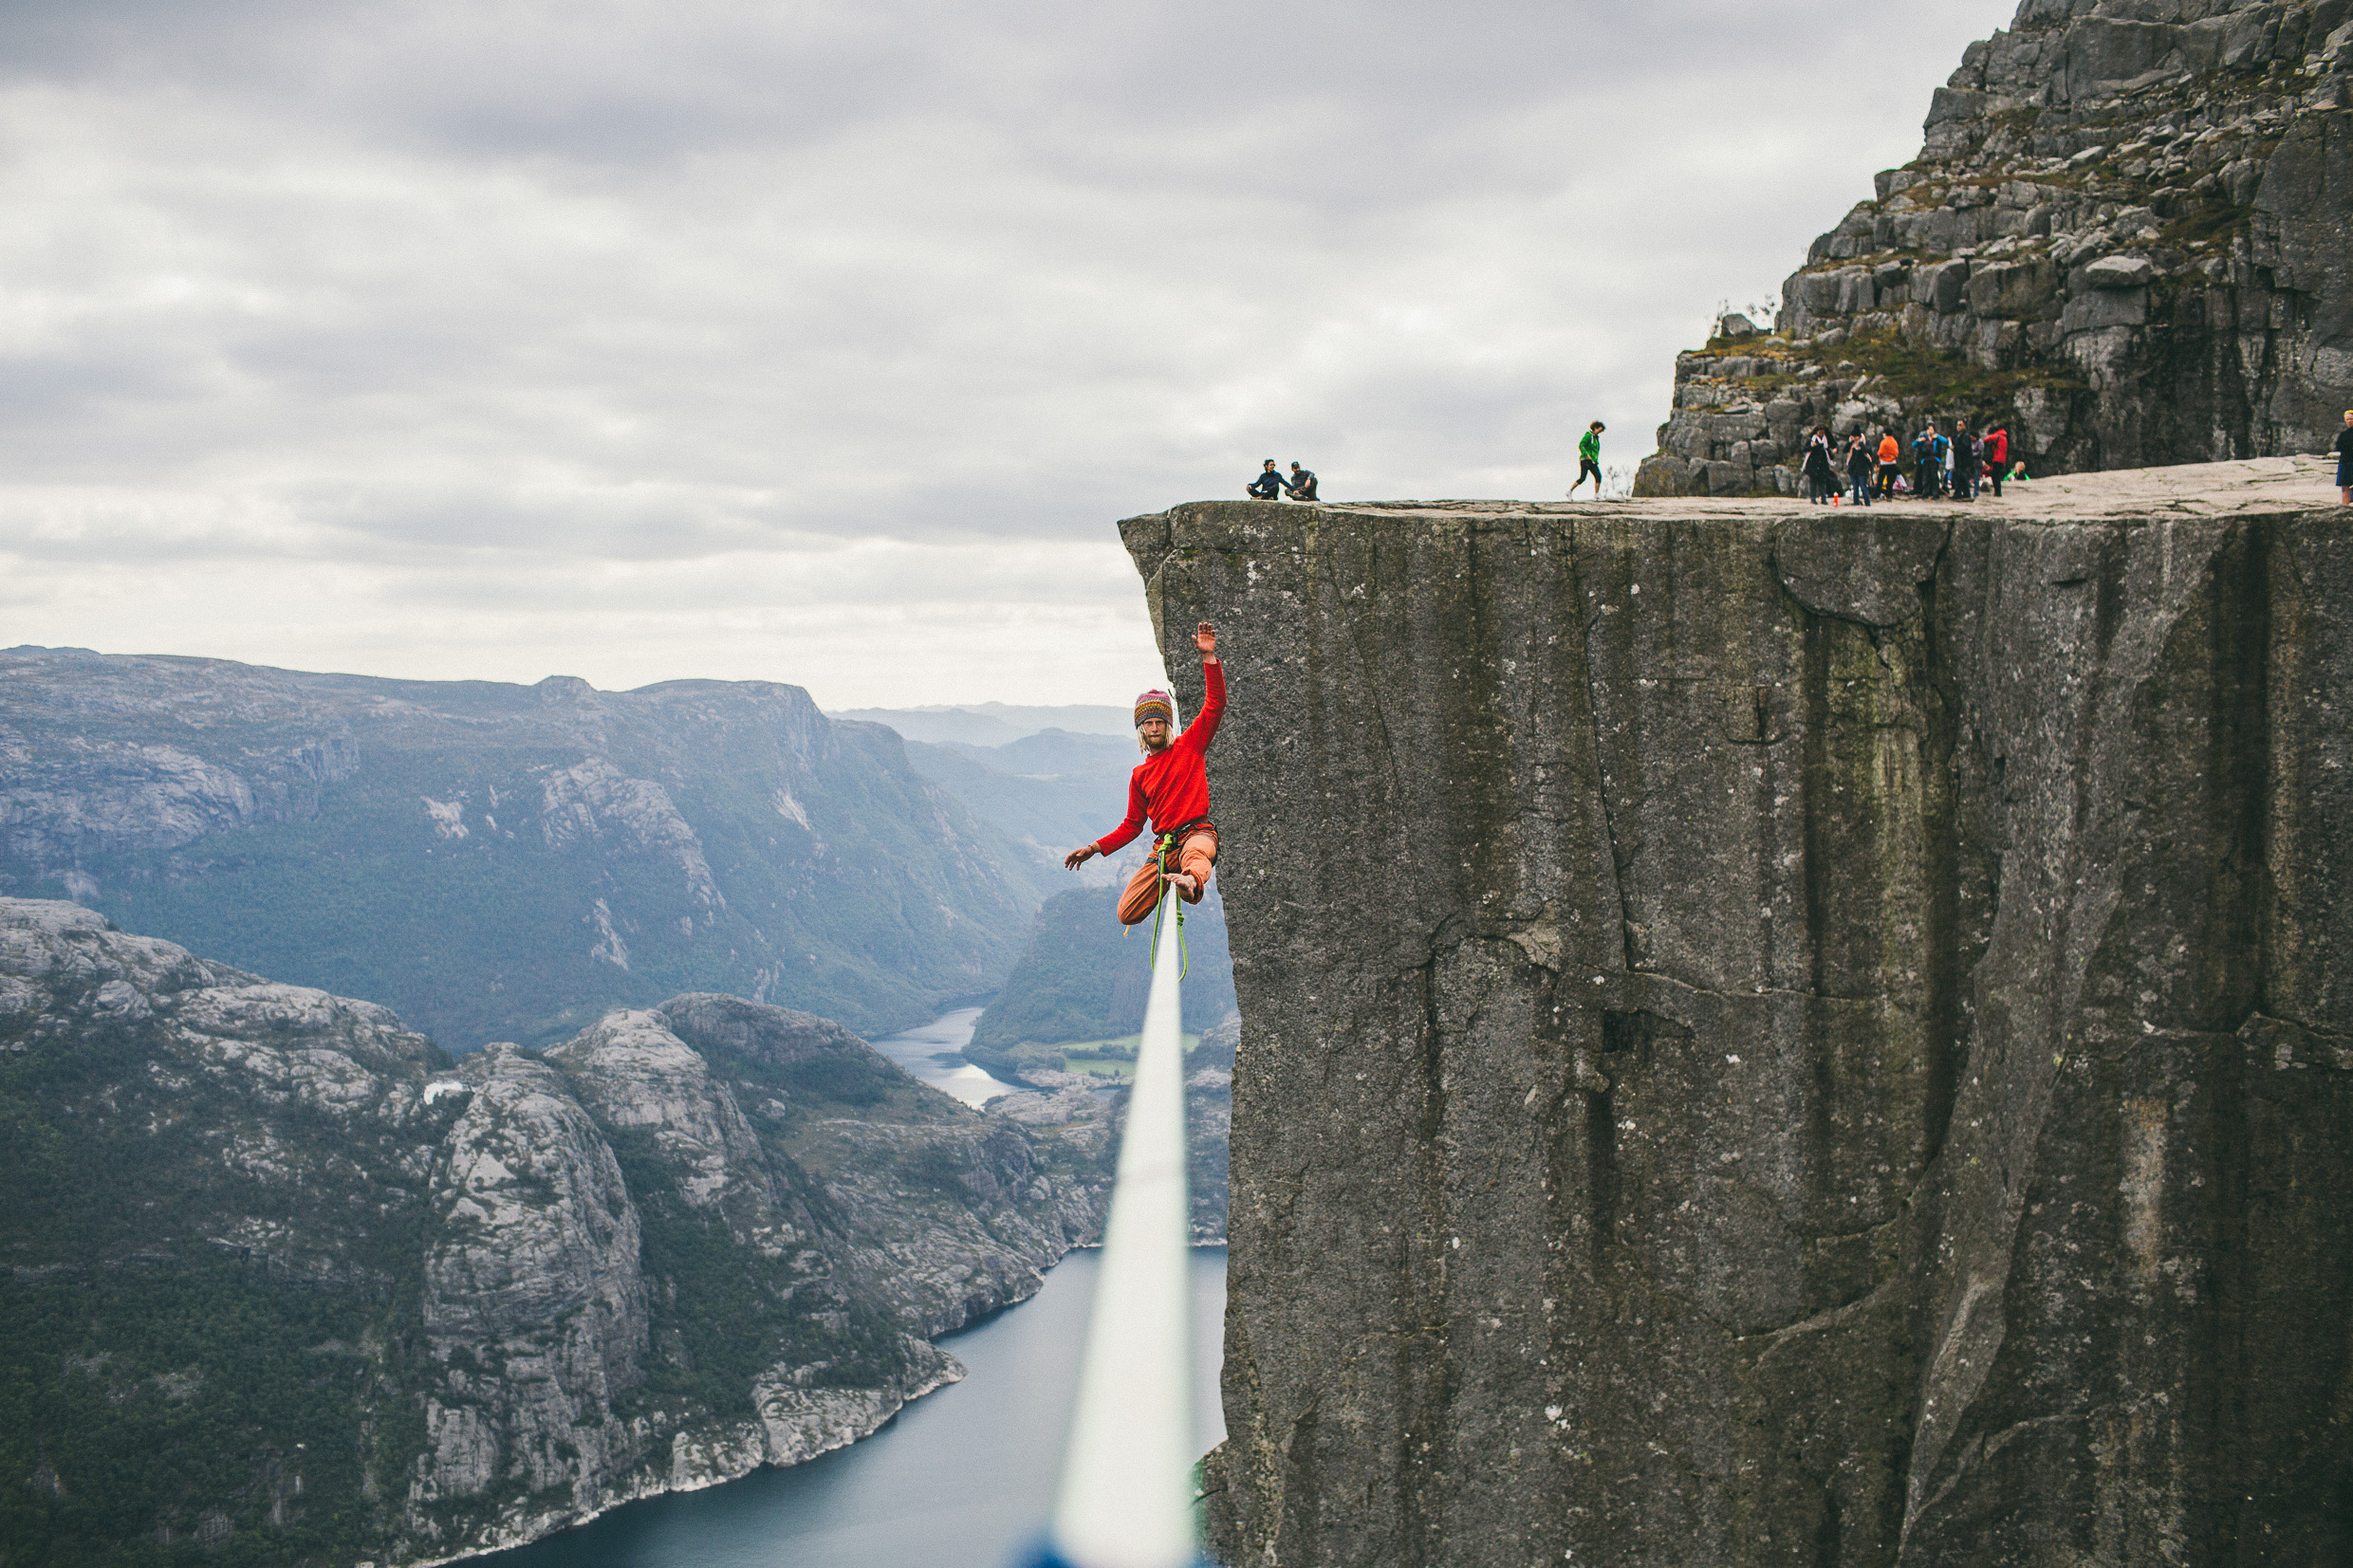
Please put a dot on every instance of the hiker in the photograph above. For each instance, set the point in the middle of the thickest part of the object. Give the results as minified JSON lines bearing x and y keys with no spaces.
{"x":1996,"y":455}
{"x":1301,"y":486}
{"x":1821,"y":478}
{"x":2344,"y":461}
{"x":1269,"y":485}
{"x":1928,"y":459}
{"x":1171,"y":783}
{"x":1589,"y":459}
{"x":1891,"y":453}
{"x":1964,"y":462}
{"x":1858,"y":471}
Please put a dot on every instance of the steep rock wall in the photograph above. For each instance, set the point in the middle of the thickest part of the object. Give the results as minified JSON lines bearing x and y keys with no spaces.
{"x":2123,"y":241}
{"x":1773,"y":1038}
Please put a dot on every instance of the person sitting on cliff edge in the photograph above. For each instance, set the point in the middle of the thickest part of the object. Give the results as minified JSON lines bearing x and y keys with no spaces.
{"x":1268,"y":486}
{"x":1172,"y":785}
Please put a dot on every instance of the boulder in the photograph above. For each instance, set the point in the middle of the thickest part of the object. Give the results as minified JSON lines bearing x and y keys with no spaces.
{"x":2007,"y":289}
{"x":2096,"y":308}
{"x":2119,"y":272}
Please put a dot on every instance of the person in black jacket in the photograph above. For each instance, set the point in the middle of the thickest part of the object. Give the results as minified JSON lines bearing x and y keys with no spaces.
{"x":1964,"y":462}
{"x":2344,"y":461}
{"x":1269,"y":485}
{"x":1858,"y":467}
{"x":1821,"y":478}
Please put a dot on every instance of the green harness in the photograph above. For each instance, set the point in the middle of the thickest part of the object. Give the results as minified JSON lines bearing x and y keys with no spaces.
{"x":1162,"y":848}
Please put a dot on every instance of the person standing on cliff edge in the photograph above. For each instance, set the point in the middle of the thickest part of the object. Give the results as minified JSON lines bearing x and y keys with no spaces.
{"x":1589,"y":459}
{"x":1171,"y":785}
{"x":2344,"y":461}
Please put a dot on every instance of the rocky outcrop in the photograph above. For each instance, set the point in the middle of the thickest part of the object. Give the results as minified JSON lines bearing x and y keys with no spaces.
{"x":1841,"y":1053}
{"x":520,"y":858}
{"x":2122,"y":241}
{"x":281,"y":1271}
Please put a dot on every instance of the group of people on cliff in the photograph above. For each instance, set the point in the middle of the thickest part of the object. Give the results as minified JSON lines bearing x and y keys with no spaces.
{"x":1960,"y":466}
{"x":1271,"y":485}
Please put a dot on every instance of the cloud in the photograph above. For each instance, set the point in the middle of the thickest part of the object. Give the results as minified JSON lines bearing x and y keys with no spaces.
{"x":461,"y":306}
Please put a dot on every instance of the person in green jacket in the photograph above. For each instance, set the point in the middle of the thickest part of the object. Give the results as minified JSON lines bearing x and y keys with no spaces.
{"x":1589,"y":459}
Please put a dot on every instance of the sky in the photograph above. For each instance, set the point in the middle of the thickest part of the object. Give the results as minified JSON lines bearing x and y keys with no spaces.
{"x":827,"y":342}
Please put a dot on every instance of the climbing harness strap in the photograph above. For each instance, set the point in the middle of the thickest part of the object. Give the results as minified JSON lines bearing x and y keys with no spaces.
{"x":1164,"y":849}
{"x":1161,"y":849}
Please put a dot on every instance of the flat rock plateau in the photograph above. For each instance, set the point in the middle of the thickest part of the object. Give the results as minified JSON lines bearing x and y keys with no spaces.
{"x":1774,"y":1035}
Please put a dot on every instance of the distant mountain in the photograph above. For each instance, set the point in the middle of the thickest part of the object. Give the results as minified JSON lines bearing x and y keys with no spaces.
{"x":994,"y":723}
{"x":504,"y":862}
{"x":287,"y":1286}
{"x":1085,"y":978}
{"x":1045,"y":794}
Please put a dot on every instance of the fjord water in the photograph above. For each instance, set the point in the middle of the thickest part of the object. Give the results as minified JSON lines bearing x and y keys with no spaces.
{"x":932,"y":1054}
{"x":964,"y":1475}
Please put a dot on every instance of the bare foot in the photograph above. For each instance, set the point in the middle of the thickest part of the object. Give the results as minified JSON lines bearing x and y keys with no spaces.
{"x":1182,"y":882}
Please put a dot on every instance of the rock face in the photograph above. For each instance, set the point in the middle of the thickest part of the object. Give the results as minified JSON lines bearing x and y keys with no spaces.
{"x":1834,"y":1044}
{"x":278,"y":1271}
{"x":2122,"y":241}
{"x":501,"y":862}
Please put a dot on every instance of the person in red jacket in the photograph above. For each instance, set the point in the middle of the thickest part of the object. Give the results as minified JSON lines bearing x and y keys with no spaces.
{"x":1171,"y":785}
{"x":1997,"y":457}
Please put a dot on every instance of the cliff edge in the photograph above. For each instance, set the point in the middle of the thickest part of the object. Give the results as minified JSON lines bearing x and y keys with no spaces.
{"x":1780,"y":1036}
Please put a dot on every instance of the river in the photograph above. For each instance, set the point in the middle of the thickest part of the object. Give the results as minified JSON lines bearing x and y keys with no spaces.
{"x":961,"y":1476}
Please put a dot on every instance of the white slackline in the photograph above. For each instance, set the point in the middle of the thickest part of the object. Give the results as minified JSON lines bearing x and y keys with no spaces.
{"x":1126,"y":1494}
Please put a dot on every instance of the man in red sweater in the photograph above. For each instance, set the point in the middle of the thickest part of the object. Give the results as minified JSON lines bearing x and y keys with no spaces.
{"x":1172,"y":785}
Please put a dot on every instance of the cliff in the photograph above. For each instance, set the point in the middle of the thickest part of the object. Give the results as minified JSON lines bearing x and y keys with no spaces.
{"x":496,"y":862}
{"x":1773,"y":1036}
{"x":2124,"y":239}
{"x":283,"y":1279}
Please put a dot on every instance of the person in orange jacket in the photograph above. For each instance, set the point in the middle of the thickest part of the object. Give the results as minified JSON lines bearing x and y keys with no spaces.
{"x":1891,"y":453}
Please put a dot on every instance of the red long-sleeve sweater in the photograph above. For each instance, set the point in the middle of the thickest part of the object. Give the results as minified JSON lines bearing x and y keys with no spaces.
{"x":1173,"y":786}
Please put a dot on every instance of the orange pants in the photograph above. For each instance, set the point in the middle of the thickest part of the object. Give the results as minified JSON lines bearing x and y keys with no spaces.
{"x":1195,"y":853}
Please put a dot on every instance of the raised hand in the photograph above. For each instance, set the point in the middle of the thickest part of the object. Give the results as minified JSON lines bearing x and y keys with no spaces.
{"x":1205,"y":638}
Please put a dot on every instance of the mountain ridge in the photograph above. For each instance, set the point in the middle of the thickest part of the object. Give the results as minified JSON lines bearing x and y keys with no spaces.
{"x":500,"y":861}
{"x":285,"y":1279}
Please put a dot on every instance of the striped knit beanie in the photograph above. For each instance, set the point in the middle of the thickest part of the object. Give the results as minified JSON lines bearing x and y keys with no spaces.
{"x":1154,"y":705}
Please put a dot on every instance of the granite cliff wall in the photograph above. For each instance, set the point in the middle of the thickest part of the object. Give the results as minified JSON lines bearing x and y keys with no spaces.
{"x":2123,"y":239}
{"x":1781,"y":1037}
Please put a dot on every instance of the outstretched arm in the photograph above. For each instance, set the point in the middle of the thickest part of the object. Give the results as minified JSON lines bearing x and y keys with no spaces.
{"x":1111,"y":843}
{"x":1204,"y":727}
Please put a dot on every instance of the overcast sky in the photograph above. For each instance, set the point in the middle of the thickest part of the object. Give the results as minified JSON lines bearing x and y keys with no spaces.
{"x":825,"y":343}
